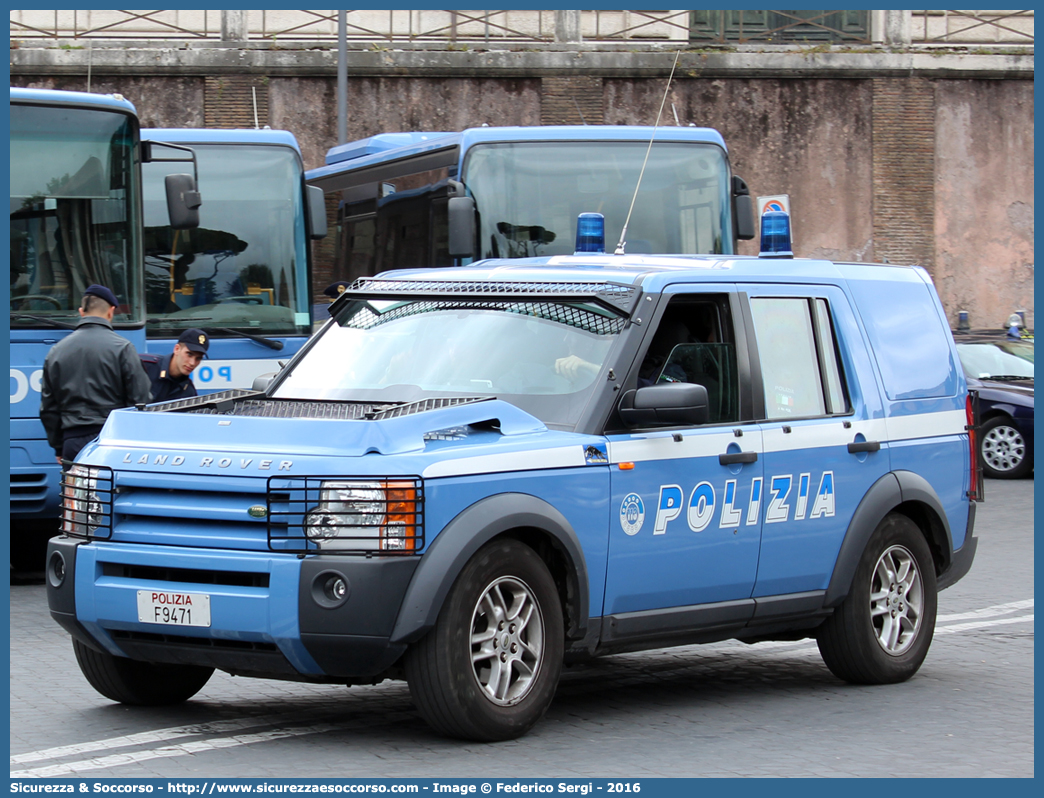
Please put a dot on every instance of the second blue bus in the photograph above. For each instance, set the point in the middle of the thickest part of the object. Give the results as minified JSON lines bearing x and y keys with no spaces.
{"x":243,"y":275}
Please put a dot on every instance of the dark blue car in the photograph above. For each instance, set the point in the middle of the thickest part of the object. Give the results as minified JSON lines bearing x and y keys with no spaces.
{"x":1001,"y":370}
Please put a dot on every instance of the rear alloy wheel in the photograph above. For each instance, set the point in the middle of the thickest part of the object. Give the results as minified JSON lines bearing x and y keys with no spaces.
{"x":1003,"y":449}
{"x":142,"y":684}
{"x":489,"y":668}
{"x":880,"y":634}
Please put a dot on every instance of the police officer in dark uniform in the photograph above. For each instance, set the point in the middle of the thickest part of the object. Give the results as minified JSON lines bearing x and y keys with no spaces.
{"x":171,"y":375}
{"x":334,"y":290}
{"x":88,"y":374}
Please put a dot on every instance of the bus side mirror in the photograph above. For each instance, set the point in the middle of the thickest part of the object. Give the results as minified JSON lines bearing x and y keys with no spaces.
{"x":183,"y":202}
{"x":316,"y":212}
{"x":461,"y":227}
{"x":742,"y":209}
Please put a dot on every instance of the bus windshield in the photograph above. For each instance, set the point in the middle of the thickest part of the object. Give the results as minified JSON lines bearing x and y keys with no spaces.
{"x":244,"y":268}
{"x":529,"y":194}
{"x":544,"y":357}
{"x":73,"y":213}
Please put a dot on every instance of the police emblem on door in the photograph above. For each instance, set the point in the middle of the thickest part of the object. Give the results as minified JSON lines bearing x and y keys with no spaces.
{"x":632,"y":514}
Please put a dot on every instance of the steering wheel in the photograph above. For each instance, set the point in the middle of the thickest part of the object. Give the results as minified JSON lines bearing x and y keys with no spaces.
{"x":32,"y":297}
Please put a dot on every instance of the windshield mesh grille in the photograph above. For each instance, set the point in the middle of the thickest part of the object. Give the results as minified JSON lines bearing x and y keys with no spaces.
{"x":479,"y":288}
{"x":618,"y":298}
{"x":571,"y":315}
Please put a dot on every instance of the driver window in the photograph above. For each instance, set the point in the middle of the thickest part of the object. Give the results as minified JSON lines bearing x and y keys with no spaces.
{"x":693,"y":343}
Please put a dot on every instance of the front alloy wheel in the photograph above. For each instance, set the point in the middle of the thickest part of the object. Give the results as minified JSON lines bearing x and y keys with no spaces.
{"x":489,"y":668}
{"x":507,"y":641}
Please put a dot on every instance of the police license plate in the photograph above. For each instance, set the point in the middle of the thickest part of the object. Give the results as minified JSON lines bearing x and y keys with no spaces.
{"x":173,"y":609}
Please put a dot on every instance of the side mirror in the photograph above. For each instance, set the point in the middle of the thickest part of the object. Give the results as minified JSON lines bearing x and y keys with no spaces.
{"x":461,"y":227}
{"x":316,"y":212}
{"x":742,"y":209}
{"x":183,"y":202}
{"x":673,"y":404}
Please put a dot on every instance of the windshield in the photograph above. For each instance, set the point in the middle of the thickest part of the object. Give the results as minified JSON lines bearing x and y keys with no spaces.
{"x":1002,"y":358}
{"x":543,"y":357}
{"x":245,"y":266}
{"x":529,"y":194}
{"x":73,"y":212}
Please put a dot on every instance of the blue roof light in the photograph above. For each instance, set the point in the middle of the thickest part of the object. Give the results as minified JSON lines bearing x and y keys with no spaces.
{"x":775,"y":235}
{"x":590,"y":233}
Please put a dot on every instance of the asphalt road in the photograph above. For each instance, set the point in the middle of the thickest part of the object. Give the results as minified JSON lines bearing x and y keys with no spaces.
{"x":772,"y":709}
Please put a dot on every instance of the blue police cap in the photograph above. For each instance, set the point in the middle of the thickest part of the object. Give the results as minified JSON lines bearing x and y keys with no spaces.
{"x":334,"y":290}
{"x":195,"y":340}
{"x":103,"y":292}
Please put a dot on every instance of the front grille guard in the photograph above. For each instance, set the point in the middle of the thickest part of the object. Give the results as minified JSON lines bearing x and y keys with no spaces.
{"x":86,"y":500}
{"x":388,"y":524}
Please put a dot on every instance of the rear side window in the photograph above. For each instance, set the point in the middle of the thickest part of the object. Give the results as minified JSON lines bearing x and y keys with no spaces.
{"x":908,"y":338}
{"x":799,"y":365}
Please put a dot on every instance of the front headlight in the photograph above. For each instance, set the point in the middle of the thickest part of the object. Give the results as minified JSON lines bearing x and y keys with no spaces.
{"x":365,"y":516}
{"x":86,"y":500}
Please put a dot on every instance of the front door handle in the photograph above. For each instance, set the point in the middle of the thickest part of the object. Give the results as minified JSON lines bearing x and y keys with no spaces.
{"x":738,"y":457}
{"x":864,"y":446}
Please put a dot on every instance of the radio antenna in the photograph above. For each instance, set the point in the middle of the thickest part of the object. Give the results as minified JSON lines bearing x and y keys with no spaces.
{"x":579,"y":111}
{"x":627,"y":221}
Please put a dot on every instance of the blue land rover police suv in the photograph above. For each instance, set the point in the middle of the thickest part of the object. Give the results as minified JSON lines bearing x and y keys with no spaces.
{"x":470,"y":476}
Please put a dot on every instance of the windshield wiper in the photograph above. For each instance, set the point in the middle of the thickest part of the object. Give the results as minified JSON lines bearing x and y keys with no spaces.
{"x":271,"y":343}
{"x":61,"y":325}
{"x":1003,"y":377}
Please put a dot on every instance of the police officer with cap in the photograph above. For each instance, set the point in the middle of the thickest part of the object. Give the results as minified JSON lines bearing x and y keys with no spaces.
{"x":88,"y":374}
{"x":334,"y":290}
{"x":171,"y":375}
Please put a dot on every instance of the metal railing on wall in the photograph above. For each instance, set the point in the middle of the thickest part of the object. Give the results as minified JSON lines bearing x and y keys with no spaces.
{"x":972,"y":27}
{"x":782,"y":27}
{"x":362,"y":26}
{"x":380,"y":27}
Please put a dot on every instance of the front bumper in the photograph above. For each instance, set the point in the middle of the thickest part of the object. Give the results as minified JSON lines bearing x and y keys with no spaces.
{"x":268,"y":617}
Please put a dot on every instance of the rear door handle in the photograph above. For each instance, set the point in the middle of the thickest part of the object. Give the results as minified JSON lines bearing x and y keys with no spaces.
{"x":864,"y":446}
{"x":738,"y":457}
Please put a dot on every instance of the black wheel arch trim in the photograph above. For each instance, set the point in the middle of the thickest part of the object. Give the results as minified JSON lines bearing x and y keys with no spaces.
{"x":891,"y":491}
{"x":471,"y":529}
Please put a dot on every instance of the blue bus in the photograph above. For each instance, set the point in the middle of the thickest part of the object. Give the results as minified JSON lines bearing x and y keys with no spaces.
{"x":76,"y":219}
{"x":407,"y":200}
{"x":243,"y":274}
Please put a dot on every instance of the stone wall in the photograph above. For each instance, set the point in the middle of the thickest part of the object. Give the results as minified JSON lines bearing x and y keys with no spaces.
{"x":912,"y":169}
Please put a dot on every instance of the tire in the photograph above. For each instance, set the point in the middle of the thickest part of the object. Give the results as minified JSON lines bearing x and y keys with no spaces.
{"x":1003,"y":450}
{"x":880,"y":634}
{"x":476,"y":682}
{"x":141,"y":684}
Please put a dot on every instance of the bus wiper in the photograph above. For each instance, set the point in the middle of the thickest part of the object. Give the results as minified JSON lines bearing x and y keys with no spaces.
{"x":271,"y":343}
{"x":62,"y":325}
